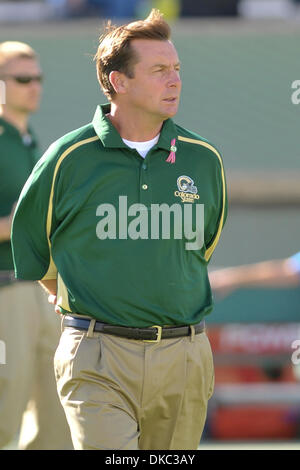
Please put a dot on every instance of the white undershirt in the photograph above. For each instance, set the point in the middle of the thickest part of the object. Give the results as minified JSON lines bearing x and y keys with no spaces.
{"x":142,"y":147}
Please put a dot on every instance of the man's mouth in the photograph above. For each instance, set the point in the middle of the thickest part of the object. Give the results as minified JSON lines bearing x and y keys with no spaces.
{"x":170,"y":100}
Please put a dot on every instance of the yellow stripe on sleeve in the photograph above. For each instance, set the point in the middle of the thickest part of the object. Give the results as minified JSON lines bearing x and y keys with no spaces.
{"x":52,"y":270}
{"x":210,"y":250}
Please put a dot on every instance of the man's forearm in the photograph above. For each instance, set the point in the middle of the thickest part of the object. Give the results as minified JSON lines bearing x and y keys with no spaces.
{"x":5,"y":227}
{"x":263,"y":274}
{"x":50,"y":286}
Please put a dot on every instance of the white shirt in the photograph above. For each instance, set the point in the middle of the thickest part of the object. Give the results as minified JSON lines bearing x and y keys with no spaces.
{"x":142,"y":147}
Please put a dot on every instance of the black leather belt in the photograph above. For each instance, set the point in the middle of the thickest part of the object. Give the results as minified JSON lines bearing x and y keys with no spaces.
{"x":154,"y":333}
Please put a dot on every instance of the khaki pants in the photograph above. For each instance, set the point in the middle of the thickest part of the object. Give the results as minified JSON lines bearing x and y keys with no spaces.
{"x":30,"y":330}
{"x":128,"y":394}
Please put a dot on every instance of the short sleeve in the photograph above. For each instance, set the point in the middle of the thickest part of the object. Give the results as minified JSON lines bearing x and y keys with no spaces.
{"x":221,"y":214}
{"x":31,"y":225}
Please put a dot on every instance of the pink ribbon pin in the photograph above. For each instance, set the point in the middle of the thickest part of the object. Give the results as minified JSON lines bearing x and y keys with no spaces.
{"x":172,"y":156}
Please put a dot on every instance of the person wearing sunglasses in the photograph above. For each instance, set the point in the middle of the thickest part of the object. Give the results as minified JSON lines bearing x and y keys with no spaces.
{"x":28,"y":329}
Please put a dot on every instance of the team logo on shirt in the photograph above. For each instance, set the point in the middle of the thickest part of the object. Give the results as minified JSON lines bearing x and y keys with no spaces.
{"x":187,"y":190}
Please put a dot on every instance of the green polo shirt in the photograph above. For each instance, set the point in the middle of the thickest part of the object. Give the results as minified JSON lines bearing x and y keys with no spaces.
{"x":18,"y":155}
{"x":88,"y":217}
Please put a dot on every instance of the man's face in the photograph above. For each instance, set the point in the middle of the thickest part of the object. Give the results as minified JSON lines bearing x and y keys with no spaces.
{"x":156,"y":85}
{"x":22,"y":97}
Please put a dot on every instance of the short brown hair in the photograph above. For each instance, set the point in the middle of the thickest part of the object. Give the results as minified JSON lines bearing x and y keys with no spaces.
{"x":10,"y":50}
{"x":115,"y":52}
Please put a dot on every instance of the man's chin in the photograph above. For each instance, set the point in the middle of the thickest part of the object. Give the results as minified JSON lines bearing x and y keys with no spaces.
{"x":32,"y":109}
{"x":171,"y":112}
{"x":169,"y":115}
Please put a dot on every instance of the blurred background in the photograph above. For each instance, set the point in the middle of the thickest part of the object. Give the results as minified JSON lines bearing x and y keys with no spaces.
{"x":239,"y":61}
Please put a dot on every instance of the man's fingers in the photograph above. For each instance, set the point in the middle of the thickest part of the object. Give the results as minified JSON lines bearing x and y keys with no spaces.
{"x":57,"y":310}
{"x":52,"y":299}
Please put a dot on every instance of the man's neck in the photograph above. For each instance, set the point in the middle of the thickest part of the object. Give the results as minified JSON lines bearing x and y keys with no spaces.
{"x":16,"y":118}
{"x":135,"y":129}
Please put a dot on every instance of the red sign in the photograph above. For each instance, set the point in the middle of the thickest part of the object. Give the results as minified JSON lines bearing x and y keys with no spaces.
{"x":254,"y":338}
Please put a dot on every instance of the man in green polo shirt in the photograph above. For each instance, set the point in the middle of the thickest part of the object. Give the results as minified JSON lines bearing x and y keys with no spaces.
{"x":28,"y":331}
{"x":118,"y":222}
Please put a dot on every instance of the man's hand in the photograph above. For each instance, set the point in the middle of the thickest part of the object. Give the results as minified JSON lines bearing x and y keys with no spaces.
{"x":50,"y":286}
{"x":52,"y":299}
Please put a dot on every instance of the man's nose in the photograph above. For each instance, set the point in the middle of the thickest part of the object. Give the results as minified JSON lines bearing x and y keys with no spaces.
{"x":174,"y":79}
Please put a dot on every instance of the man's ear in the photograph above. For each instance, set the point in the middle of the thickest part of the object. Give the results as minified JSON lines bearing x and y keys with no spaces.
{"x":118,"y":81}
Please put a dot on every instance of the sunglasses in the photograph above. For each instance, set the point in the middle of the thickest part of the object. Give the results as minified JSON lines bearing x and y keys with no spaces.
{"x":26,"y":79}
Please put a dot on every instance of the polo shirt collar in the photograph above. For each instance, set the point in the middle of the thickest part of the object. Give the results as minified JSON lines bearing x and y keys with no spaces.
{"x":110,"y":137}
{"x":104,"y":129}
{"x":167,"y":134}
